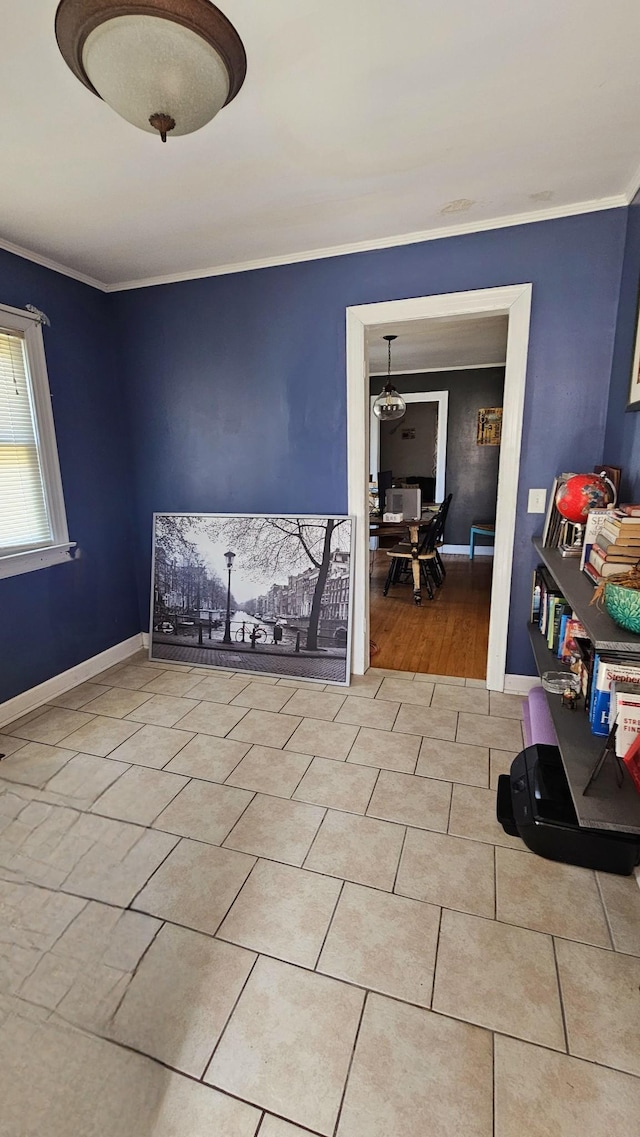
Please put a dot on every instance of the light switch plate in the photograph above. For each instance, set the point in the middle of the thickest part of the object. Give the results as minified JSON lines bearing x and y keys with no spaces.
{"x":537,"y":501}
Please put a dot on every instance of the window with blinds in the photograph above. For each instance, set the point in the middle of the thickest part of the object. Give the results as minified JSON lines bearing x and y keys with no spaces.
{"x":24,"y":516}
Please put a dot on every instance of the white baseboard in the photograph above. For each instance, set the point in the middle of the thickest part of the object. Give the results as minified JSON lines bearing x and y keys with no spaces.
{"x":463,"y":550}
{"x":145,"y":640}
{"x":520,"y":684}
{"x":36,"y":696}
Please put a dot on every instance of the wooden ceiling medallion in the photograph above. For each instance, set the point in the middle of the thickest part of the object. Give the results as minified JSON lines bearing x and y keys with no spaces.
{"x":76,"y":19}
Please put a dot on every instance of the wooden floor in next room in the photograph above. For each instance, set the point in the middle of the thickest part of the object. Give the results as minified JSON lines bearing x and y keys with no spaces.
{"x":444,"y":636}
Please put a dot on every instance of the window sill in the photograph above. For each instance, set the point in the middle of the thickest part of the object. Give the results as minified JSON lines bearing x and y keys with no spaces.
{"x":13,"y":564}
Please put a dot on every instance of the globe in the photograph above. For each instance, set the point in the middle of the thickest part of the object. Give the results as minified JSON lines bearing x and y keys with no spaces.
{"x":580,"y":494}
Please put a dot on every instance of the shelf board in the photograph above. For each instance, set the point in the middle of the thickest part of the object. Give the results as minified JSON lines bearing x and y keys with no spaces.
{"x":577,"y":590}
{"x":606,"y":806}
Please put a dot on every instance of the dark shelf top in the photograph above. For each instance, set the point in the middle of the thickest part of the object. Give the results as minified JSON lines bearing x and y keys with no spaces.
{"x":578,"y":591}
{"x":606,"y":806}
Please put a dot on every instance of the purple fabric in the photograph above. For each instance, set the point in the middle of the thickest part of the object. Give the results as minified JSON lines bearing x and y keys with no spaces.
{"x":538,"y":723}
{"x":526,"y":724}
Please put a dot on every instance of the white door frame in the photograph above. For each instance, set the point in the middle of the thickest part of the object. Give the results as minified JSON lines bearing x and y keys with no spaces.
{"x":513,"y":301}
{"x":442,"y":399}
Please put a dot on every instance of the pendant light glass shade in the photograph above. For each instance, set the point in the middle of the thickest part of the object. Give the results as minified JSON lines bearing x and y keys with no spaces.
{"x":145,"y":65}
{"x":389,"y":404}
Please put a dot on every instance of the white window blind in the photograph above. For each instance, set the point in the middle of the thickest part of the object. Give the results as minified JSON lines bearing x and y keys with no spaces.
{"x":24,"y":516}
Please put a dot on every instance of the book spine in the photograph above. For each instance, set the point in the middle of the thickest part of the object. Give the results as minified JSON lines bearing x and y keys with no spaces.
{"x":596,"y":518}
{"x":563,"y":634}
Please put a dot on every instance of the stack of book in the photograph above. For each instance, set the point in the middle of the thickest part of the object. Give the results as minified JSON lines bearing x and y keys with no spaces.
{"x":566,"y":637}
{"x":616,"y":546}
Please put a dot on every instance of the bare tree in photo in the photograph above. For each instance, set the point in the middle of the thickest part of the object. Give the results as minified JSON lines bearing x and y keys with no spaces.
{"x":283,"y":543}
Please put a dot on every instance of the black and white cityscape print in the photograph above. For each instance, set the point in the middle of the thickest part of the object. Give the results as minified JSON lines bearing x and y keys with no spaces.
{"x":261,"y":594}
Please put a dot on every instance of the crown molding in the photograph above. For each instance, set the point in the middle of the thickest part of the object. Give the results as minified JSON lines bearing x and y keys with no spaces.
{"x":55,"y":266}
{"x":633,"y":186}
{"x":436,"y":370}
{"x":616,"y":201}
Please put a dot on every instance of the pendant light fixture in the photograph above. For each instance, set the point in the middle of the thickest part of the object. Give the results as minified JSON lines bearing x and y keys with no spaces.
{"x":164,"y":65}
{"x":389,"y":404}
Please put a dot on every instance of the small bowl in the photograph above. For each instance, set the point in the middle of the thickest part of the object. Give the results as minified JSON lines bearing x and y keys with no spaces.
{"x":623,"y":605}
{"x":557,"y":682}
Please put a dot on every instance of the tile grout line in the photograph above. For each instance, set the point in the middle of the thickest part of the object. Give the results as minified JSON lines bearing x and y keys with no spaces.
{"x":373,"y":789}
{"x":606,"y":912}
{"x":161,"y":924}
{"x":347,"y":983}
{"x":315,"y":838}
{"x":228,"y":1020}
{"x":129,"y":906}
{"x":435,"y":961}
{"x":493,"y":1083}
{"x":329,"y":925}
{"x":395,"y":875}
{"x":311,"y":758}
{"x":350,"y":1066}
{"x":214,"y":935}
{"x":560,"y":998}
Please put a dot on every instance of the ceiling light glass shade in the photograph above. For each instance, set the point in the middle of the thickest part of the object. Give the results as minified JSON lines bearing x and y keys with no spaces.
{"x":147,"y":65}
{"x":389,"y":405}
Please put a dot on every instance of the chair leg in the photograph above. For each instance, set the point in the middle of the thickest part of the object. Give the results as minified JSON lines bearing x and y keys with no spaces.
{"x":389,"y":579}
{"x":426,"y":576}
{"x":441,"y":564}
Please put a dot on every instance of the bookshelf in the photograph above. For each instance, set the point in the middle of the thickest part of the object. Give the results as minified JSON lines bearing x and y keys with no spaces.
{"x":605,"y":806}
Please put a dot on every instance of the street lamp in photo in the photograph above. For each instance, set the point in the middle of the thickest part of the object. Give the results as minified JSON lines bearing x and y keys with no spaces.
{"x":226,"y":639}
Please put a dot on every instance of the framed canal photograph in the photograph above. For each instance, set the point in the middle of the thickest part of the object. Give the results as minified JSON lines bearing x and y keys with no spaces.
{"x":257,"y":593}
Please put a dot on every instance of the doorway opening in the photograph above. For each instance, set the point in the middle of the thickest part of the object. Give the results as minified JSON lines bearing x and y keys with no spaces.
{"x":430,"y":316}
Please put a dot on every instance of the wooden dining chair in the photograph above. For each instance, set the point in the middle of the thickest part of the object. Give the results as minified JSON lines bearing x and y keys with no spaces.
{"x":403,"y":558}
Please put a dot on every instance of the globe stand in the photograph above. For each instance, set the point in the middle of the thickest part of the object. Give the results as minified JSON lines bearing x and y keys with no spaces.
{"x":573,"y":548}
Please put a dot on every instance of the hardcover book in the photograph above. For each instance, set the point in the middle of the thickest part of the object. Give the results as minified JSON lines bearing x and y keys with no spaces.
{"x":605,"y":673}
{"x":595,"y":521}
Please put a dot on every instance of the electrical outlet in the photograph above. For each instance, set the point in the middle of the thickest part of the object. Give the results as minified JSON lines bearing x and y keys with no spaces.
{"x":537,"y":501}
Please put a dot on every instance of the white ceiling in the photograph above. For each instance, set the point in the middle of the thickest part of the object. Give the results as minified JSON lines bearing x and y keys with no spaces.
{"x":359,"y":121}
{"x":442,"y":343}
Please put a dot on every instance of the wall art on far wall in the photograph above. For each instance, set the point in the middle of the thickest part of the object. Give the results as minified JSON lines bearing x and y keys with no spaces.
{"x":633,"y":402}
{"x":489,"y":426}
{"x":259,"y":594}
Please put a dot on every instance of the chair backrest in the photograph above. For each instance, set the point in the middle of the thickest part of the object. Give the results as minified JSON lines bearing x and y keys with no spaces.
{"x":430,"y":536}
{"x":441,"y":517}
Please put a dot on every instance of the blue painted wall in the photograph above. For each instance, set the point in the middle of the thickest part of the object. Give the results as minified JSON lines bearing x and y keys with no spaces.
{"x":52,"y":619}
{"x":622,"y":440}
{"x":236,"y":384}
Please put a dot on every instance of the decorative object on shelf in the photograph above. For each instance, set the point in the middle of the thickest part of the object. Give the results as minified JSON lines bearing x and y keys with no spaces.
{"x":622,"y":599}
{"x":255,"y":593}
{"x":574,"y":500}
{"x":489,"y":426}
{"x":570,"y":699}
{"x":163,"y":65}
{"x":389,"y":404}
{"x":581,"y":493}
{"x":557,"y":682}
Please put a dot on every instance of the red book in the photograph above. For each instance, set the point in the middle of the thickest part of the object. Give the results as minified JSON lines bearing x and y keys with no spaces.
{"x":632,"y":761}
{"x":591,"y":572}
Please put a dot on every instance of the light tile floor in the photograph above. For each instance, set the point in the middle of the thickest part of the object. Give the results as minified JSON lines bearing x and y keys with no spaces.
{"x":231,"y":906}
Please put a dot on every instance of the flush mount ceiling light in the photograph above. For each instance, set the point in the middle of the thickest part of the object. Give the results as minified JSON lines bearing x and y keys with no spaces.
{"x":163,"y":65}
{"x":389,"y":404}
